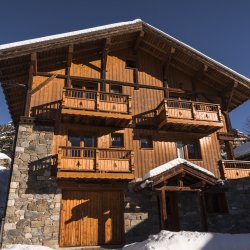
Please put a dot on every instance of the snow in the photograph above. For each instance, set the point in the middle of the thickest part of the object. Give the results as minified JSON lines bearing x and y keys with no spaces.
{"x":242,"y":150}
{"x":68,"y":34}
{"x":184,"y":240}
{"x":4,"y":157}
{"x":171,"y":164}
{"x":27,"y":247}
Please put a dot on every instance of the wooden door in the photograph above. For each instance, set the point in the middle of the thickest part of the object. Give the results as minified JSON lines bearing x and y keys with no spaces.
{"x":172,"y":221}
{"x":91,"y":218}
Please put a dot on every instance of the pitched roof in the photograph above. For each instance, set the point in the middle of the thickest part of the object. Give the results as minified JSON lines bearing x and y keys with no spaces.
{"x":242,"y":150}
{"x":15,"y":58}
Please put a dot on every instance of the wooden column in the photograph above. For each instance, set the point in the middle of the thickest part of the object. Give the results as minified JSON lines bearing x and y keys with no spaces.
{"x":104,"y":58}
{"x":29,"y":85}
{"x":163,"y":209}
{"x":229,"y":150}
{"x":69,"y":62}
{"x":203,"y":211}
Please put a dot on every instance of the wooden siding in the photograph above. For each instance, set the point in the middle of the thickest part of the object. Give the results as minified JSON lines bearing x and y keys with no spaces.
{"x":91,"y":218}
{"x":143,"y":100}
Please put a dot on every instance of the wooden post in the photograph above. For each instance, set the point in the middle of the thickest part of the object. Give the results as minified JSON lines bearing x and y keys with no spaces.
{"x":132,"y":169}
{"x":129,"y":105}
{"x":97,"y":101}
{"x":69,"y":62}
{"x":222,"y":170}
{"x":219,"y":113}
{"x":104,"y":58}
{"x":193,"y":111}
{"x":97,"y":155}
{"x":229,"y":150}
{"x":203,"y":211}
{"x":29,"y":88}
{"x":59,"y":157}
{"x":163,"y":209}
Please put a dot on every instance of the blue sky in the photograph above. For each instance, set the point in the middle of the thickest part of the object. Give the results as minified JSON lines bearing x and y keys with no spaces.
{"x":220,"y":29}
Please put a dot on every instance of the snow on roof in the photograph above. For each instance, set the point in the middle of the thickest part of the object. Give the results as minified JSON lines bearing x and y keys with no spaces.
{"x":4,"y":157}
{"x":114,"y":25}
{"x":171,"y":164}
{"x":3,"y":168}
{"x":242,"y":150}
{"x":67,"y":34}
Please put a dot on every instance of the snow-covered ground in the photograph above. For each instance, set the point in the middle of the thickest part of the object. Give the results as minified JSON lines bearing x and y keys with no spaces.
{"x":27,"y":247}
{"x":184,"y":240}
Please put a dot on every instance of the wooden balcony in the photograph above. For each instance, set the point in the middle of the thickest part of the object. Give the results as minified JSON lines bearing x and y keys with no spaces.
{"x":94,"y":107}
{"x":189,"y":116}
{"x":93,"y":163}
{"x":234,"y":169}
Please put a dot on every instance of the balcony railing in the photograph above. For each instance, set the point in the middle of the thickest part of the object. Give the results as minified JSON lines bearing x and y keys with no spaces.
{"x":172,"y":111}
{"x":96,"y":101}
{"x":234,"y":169}
{"x":95,"y":160}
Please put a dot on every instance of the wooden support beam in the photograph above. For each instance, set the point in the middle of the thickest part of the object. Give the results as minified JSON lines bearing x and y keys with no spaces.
{"x":177,"y":189}
{"x":34,"y":63}
{"x":29,"y":87}
{"x":138,"y":40}
{"x":228,"y":95}
{"x":41,"y":85}
{"x":104,"y":58}
{"x":203,"y":211}
{"x":69,"y":62}
{"x":229,"y":150}
{"x":163,"y":209}
{"x":165,"y":70}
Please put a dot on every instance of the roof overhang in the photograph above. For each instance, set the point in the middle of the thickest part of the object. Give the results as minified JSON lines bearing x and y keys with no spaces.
{"x":15,"y":58}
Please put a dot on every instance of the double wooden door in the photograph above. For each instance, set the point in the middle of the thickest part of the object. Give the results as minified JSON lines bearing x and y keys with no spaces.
{"x":91,"y":218}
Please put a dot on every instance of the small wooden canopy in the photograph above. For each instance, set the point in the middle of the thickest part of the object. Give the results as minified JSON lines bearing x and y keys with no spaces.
{"x":181,"y":178}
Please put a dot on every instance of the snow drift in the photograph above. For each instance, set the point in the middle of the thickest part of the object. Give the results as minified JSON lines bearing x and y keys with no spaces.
{"x":27,"y":247}
{"x":184,"y":240}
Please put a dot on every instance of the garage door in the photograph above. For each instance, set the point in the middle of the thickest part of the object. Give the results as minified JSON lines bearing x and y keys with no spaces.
{"x":91,"y":218}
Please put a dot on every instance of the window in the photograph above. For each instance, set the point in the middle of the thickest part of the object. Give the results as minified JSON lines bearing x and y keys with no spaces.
{"x":117,"y":140}
{"x":216,"y":202}
{"x":146,"y":143}
{"x":189,"y":150}
{"x":131,"y":64}
{"x":116,"y":89}
{"x":75,"y":141}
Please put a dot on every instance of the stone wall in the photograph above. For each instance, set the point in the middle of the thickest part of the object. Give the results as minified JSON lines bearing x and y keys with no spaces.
{"x":141,"y":217}
{"x":33,"y":208}
{"x":237,"y":220}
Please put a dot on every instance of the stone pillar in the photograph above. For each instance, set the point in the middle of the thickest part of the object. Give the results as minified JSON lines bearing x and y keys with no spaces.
{"x":33,"y":207}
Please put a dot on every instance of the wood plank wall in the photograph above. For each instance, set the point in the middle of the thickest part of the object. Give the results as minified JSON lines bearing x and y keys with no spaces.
{"x":150,"y":73}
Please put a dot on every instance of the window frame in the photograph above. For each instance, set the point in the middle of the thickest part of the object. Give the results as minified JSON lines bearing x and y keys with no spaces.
{"x":185,"y":149}
{"x":151,"y":144}
{"x":123,"y":141}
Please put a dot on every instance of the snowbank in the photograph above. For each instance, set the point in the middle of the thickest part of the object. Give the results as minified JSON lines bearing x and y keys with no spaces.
{"x":27,"y":247}
{"x":4,"y":157}
{"x":183,"y":240}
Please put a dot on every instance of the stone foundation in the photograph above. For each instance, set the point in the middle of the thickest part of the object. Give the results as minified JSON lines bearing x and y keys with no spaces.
{"x":237,"y":220}
{"x":33,"y":207}
{"x":141,"y":217}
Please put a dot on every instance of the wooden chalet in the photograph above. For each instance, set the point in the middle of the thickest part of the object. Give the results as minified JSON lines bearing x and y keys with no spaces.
{"x":121,"y":100}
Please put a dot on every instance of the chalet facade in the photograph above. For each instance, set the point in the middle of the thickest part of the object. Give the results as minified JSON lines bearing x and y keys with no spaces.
{"x":118,"y":136}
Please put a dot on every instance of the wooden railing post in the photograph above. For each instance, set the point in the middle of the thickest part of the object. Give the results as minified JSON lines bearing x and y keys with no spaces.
{"x":132,"y":162}
{"x":193,"y":111}
{"x":59,"y":159}
{"x":97,"y":155}
{"x":222,"y":169}
{"x":63,"y":98}
{"x":97,"y":101}
{"x":129,"y":105}
{"x":219,"y":113}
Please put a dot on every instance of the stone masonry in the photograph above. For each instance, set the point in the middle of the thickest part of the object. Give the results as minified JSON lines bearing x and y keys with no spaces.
{"x":33,"y":207}
{"x":141,"y":217}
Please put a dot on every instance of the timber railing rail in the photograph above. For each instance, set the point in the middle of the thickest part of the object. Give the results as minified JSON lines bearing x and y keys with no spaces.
{"x":96,"y":101}
{"x":95,"y":159}
{"x":188,"y":110}
{"x":234,"y":169}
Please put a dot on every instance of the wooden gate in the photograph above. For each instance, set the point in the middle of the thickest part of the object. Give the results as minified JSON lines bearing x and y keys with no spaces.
{"x":91,"y":218}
